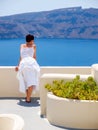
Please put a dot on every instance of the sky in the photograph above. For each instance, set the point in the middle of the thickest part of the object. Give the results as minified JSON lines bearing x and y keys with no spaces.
{"x":10,"y":7}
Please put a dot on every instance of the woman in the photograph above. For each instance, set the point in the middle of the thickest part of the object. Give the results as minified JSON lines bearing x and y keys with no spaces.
{"x":28,"y":69}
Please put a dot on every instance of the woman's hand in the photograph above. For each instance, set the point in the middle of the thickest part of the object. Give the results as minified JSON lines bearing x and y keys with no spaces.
{"x":16,"y":68}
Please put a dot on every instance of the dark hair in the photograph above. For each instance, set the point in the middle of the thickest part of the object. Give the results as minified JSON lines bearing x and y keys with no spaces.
{"x":29,"y":38}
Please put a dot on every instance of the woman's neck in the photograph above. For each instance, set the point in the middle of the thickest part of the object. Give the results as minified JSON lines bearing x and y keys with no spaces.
{"x":29,"y":44}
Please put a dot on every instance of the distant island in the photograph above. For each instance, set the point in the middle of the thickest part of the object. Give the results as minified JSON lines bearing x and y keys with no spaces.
{"x":59,"y":23}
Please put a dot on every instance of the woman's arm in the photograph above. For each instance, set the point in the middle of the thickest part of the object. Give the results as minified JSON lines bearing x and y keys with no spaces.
{"x":17,"y":67}
{"x":34,"y":56}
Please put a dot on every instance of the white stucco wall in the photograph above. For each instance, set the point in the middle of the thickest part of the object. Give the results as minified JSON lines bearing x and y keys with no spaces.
{"x":9,"y":86}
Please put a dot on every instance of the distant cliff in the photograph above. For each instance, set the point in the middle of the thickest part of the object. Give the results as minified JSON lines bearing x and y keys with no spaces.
{"x":60,"y":23}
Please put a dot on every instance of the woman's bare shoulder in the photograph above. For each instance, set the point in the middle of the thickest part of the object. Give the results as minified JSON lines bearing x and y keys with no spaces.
{"x":23,"y":45}
{"x":34,"y":45}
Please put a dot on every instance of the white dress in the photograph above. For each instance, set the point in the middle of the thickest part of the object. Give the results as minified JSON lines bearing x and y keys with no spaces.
{"x":29,"y":70}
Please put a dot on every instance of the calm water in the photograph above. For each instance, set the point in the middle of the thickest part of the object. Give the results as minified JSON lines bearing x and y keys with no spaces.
{"x":52,"y":52}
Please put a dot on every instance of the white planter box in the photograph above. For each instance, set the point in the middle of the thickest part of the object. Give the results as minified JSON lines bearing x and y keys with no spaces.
{"x":70,"y":113}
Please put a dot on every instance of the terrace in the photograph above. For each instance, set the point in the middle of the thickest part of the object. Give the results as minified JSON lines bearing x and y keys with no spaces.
{"x":12,"y":101}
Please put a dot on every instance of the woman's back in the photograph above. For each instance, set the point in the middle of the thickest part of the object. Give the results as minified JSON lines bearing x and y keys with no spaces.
{"x":27,"y":52}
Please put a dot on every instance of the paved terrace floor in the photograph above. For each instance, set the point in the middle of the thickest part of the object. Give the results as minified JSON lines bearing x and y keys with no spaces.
{"x":30,"y":112}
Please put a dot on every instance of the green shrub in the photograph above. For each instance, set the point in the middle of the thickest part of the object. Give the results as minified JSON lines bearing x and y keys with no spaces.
{"x":75,"y":89}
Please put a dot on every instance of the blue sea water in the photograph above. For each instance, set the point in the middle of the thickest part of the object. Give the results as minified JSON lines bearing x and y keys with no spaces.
{"x":52,"y":52}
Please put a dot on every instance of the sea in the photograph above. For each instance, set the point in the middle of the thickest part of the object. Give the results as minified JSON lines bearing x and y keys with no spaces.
{"x":52,"y":52}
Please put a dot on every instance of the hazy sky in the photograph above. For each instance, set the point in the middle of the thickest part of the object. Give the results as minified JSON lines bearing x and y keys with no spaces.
{"x":9,"y":7}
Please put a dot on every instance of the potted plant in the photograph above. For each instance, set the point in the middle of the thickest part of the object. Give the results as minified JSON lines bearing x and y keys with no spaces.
{"x":73,"y":103}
